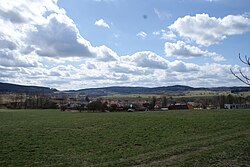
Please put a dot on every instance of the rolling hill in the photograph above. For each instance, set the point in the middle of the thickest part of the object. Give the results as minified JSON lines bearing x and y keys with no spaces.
{"x":14,"y":88}
{"x":7,"y":87}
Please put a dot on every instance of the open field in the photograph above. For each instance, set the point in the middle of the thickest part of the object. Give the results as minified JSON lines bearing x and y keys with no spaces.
{"x":185,"y":94}
{"x":169,"y":138}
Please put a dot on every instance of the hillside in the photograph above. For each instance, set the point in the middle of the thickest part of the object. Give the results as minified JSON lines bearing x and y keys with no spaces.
{"x":13,"y":88}
{"x":7,"y":87}
{"x":156,"y":90}
{"x":135,"y":90}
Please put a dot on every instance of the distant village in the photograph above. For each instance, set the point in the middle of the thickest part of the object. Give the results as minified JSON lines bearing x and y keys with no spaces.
{"x":72,"y":101}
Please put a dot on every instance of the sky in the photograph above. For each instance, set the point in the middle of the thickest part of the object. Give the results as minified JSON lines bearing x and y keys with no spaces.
{"x":79,"y":44}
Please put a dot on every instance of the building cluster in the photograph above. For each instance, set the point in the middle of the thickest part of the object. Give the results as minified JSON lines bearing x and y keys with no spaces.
{"x":138,"y":104}
{"x":237,"y":106}
{"x":77,"y":101}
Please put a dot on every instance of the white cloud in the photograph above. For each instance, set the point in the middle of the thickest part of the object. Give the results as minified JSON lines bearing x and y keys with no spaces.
{"x":181,"y":50}
{"x":47,"y":32}
{"x":6,"y":43}
{"x":126,"y":68}
{"x":139,"y":69}
{"x":15,"y":59}
{"x":180,"y":66}
{"x":142,"y":34}
{"x":212,"y":0}
{"x":102,"y":23}
{"x":28,"y":11}
{"x":166,"y":35}
{"x":59,"y":37}
{"x":156,"y":33}
{"x":147,"y":59}
{"x":206,"y":30}
{"x":103,"y":53}
{"x":41,"y":45}
{"x":162,"y":15}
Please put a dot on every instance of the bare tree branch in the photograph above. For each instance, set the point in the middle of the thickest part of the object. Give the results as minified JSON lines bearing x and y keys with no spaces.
{"x":241,"y":76}
{"x":246,"y":61}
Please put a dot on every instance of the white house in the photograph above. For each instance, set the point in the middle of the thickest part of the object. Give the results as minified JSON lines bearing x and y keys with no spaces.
{"x":236,"y":106}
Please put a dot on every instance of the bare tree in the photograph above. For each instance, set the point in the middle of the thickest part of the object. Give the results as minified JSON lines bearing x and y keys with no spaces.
{"x":241,"y":76}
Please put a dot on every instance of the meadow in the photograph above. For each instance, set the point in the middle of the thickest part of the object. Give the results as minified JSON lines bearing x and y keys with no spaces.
{"x":184,"y":94}
{"x":159,"y":138}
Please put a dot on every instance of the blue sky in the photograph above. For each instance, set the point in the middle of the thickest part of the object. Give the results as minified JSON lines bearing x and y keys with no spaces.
{"x":95,"y":43}
{"x":125,"y":18}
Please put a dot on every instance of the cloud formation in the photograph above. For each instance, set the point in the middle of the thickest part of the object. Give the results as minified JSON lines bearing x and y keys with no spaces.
{"x":162,"y":15}
{"x":59,"y":37}
{"x":212,"y":0}
{"x":181,"y":50}
{"x":102,"y":23}
{"x":180,"y":66}
{"x":41,"y":45}
{"x":165,"y":34}
{"x":206,"y":30}
{"x":142,"y":34}
{"x":147,"y":59}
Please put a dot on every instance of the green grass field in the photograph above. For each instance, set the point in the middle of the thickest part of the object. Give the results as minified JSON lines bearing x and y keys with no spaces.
{"x":185,"y":94}
{"x":169,"y":138}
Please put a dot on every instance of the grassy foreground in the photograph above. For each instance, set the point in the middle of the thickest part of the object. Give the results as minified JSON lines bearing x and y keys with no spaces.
{"x":169,"y":138}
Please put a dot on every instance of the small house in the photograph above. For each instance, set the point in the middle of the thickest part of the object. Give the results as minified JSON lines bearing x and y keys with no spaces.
{"x":236,"y":106}
{"x":178,"y":107}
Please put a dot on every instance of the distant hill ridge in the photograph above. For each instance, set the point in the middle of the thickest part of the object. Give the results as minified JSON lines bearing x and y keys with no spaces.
{"x":14,"y":88}
{"x":8,"y":87}
{"x":135,"y":90}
